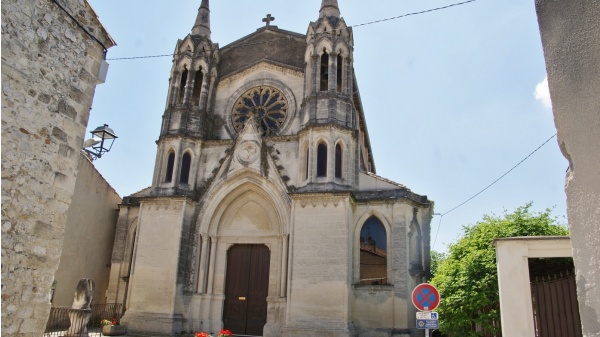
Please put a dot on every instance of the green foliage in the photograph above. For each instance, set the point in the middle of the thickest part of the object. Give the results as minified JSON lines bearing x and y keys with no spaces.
{"x":436,"y":259}
{"x":467,"y":278}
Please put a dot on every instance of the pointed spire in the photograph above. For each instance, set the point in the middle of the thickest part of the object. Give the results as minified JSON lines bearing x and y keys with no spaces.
{"x":329,"y":8}
{"x":202,"y":25}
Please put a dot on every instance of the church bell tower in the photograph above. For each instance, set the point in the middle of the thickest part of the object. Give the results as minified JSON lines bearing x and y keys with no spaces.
{"x":187,"y":120}
{"x":329,"y":134}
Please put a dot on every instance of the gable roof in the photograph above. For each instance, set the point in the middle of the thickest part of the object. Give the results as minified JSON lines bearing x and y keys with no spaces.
{"x":268,"y":43}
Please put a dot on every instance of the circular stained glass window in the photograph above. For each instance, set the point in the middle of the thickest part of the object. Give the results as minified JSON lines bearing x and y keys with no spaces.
{"x":268,"y":106}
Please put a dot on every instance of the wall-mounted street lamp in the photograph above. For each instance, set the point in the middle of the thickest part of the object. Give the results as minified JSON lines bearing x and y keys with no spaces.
{"x":101,"y":142}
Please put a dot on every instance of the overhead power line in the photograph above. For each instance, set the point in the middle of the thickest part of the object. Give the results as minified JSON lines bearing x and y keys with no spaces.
{"x":488,"y":186}
{"x":354,"y":26}
{"x":139,"y":57}
{"x":415,"y":13}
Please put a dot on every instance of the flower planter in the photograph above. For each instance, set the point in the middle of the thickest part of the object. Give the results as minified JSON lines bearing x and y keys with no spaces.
{"x":114,"y":330}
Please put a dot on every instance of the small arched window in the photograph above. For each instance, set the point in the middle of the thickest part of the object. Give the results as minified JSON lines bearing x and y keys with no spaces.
{"x":338,"y":161}
{"x":322,"y":160}
{"x":340,"y":68}
{"x":182,"y":84}
{"x":170,"y":164}
{"x":198,"y":78}
{"x":324,"y":71}
{"x":373,"y":253}
{"x":186,"y":162}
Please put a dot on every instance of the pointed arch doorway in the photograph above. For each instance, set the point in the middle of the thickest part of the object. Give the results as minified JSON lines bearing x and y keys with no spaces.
{"x":246,"y":289}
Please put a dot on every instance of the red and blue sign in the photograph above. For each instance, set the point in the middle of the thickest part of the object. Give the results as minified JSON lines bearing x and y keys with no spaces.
{"x":425,"y":297}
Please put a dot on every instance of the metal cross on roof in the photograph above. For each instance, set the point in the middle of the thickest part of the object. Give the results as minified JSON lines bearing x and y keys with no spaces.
{"x":268,"y":19}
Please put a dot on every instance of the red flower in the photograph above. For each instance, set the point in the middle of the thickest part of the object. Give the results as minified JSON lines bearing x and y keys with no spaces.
{"x":225,"y":333}
{"x":114,"y":321}
{"x":201,"y":334}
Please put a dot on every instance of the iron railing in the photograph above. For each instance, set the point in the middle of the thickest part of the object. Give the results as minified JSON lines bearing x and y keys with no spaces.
{"x":78,"y":321}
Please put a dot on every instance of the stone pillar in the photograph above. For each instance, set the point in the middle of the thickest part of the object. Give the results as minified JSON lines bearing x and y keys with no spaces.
{"x":204,"y":89}
{"x":175,"y":79}
{"x":202,"y":268}
{"x":331,"y":83}
{"x":512,"y":254}
{"x":284,"y":262}
{"x":516,"y":313}
{"x":188,"y":87}
{"x":315,"y":75}
{"x":209,"y":90}
{"x":211,"y":266}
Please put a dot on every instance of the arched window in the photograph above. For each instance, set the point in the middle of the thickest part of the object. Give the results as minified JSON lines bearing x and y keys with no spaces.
{"x":324,"y":71}
{"x":182,"y":84}
{"x":170,"y":164}
{"x":373,"y":253}
{"x":186,"y":162}
{"x":322,"y":160}
{"x":338,"y":161}
{"x":340,"y":68}
{"x":198,"y":78}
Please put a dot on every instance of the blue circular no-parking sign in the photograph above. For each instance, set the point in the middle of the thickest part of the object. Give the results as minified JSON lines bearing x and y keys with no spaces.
{"x":424,"y":296}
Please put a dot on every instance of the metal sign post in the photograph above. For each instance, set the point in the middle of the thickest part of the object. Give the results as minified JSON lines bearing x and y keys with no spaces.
{"x":424,"y":297}
{"x":426,"y":329}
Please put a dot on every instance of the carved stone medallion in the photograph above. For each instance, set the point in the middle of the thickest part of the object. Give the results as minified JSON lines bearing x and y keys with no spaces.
{"x":248,"y":152}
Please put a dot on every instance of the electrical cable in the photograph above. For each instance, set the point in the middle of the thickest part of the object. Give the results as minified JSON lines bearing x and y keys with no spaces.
{"x":415,"y":13}
{"x":488,"y":186}
{"x":354,"y":26}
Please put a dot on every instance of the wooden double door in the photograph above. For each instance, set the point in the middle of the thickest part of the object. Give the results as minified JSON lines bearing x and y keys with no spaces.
{"x":246,"y":289}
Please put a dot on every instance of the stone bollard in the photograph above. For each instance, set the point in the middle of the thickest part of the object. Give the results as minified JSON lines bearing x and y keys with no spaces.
{"x":81,"y":316}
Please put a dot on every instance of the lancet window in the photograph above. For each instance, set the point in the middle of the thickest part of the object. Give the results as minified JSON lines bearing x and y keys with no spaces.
{"x":170,"y":164}
{"x":182,"y":85}
{"x":322,"y":160}
{"x":373,"y":253}
{"x":186,"y":162}
{"x":339,"y":78}
{"x":338,"y":160}
{"x":324,"y":73}
{"x":198,"y":78}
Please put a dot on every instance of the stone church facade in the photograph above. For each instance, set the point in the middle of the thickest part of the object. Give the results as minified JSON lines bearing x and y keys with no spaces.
{"x":265,"y":215}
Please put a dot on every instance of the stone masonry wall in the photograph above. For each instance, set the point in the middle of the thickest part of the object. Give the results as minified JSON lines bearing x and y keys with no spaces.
{"x":49,"y":68}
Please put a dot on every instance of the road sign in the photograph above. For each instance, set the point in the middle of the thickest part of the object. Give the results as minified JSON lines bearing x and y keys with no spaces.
{"x":427,"y":315}
{"x":425,"y":297}
{"x":428,"y":324}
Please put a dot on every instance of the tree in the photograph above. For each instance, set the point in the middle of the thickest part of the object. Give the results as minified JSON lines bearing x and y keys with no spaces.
{"x":467,"y":277}
{"x":436,"y":259}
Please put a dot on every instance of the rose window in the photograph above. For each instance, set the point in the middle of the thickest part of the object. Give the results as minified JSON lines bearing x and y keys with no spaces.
{"x":268,"y":106}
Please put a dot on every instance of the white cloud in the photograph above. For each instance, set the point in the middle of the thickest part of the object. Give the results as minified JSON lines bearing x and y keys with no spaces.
{"x":542,"y":93}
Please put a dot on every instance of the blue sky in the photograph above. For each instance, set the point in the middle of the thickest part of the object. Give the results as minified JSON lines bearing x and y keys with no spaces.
{"x":449,"y":96}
